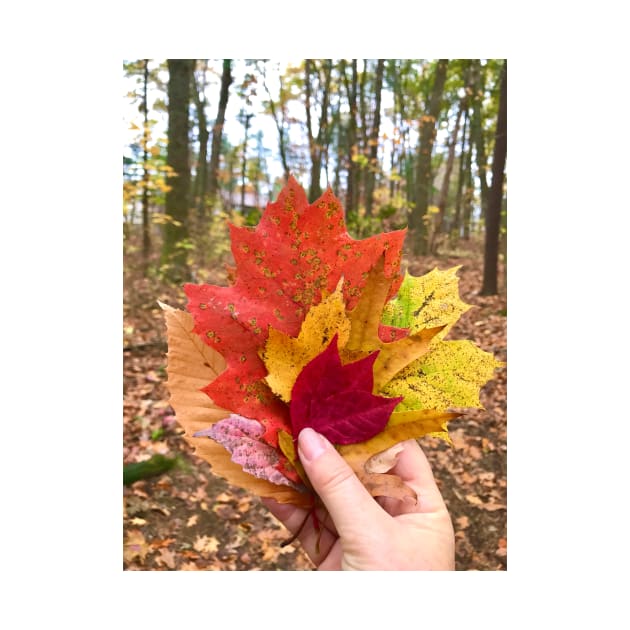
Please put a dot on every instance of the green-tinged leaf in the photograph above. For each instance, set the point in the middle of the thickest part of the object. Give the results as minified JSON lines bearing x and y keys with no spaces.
{"x":426,"y":301}
{"x":449,"y":375}
{"x":365,"y":325}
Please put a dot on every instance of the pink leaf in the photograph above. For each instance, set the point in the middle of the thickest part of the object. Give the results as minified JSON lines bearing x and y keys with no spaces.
{"x":241,"y":437}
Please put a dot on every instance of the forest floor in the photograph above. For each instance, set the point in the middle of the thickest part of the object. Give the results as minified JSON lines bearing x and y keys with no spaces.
{"x":188,"y":519}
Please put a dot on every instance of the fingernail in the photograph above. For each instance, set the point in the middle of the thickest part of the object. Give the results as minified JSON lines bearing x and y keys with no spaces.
{"x":311,"y":444}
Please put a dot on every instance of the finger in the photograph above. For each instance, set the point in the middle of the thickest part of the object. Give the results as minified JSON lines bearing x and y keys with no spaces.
{"x":413,"y":467}
{"x":345,"y":497}
{"x":316,"y":542}
{"x":292,"y":516}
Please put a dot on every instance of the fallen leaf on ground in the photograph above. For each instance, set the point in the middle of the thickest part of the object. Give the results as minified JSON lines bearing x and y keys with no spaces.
{"x":206,"y":544}
{"x":167,"y":558}
{"x":192,"y":520}
{"x":135,"y":546}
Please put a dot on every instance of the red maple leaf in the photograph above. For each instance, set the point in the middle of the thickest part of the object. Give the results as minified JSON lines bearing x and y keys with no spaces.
{"x":337,"y":400}
{"x":296,"y":251}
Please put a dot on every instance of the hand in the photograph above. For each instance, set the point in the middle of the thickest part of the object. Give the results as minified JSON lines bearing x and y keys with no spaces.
{"x":359,"y":533}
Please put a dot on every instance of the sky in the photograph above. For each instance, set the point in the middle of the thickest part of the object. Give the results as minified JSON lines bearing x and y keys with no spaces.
{"x":261,"y":121}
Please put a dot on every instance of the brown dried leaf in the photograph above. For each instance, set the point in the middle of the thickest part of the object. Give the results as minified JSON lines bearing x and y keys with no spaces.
{"x":192,"y":521}
{"x":191,"y":366}
{"x":135,"y":546}
{"x":206,"y":544}
{"x":382,"y":485}
{"x":384,"y":461}
{"x":167,"y":558}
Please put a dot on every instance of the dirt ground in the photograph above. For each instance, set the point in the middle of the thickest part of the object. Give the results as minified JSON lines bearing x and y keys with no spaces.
{"x":188,"y":519}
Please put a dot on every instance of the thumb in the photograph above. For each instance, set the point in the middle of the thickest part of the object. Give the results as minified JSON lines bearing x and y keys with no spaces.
{"x":345,"y":497}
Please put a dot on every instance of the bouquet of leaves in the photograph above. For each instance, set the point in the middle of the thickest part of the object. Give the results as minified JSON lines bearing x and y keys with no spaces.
{"x":318,"y":330}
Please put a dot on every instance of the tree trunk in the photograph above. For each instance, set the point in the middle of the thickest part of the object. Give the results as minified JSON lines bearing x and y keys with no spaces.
{"x":373,"y":141}
{"x":316,"y":144}
{"x":476,"y":131}
{"x":247,"y":118}
{"x":279,"y":126}
{"x":202,"y":168}
{"x":146,"y":224}
{"x":336,"y":126}
{"x":362,"y":135}
{"x":351,"y":89}
{"x":457,"y":221}
{"x":468,"y":194}
{"x":439,"y":219}
{"x":314,"y":184}
{"x":427,"y":131}
{"x":493,"y":215}
{"x":217,"y":131}
{"x":177,"y":198}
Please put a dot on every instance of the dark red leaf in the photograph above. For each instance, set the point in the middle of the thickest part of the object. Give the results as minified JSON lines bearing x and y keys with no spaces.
{"x":337,"y":401}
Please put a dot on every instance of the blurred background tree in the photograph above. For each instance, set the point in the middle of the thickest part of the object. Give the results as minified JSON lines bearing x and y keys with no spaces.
{"x":415,"y":143}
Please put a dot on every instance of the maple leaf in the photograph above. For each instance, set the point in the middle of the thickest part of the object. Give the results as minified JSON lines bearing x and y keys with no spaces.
{"x":285,"y":356}
{"x":366,"y":331}
{"x":337,"y":401}
{"x":449,"y":375}
{"x":360,"y":334}
{"x":191,"y":365}
{"x":241,"y":437}
{"x":427,"y":301}
{"x":282,"y":266}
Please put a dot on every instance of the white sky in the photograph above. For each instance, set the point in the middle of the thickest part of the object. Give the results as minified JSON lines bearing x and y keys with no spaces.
{"x":233,"y":129}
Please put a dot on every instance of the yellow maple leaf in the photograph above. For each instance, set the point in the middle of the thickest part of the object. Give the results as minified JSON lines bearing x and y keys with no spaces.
{"x":365,"y":320}
{"x":427,"y":301}
{"x":449,"y":375}
{"x":285,"y":356}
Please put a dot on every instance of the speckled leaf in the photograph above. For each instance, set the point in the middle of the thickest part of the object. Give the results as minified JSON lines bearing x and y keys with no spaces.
{"x":285,"y":356}
{"x":426,"y":301}
{"x":449,"y":375}
{"x":190,"y":365}
{"x":241,"y":437}
{"x":366,"y":332}
{"x":282,"y":266}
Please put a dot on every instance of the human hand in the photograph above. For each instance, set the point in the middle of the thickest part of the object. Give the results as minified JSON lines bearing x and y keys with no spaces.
{"x":361,"y":533}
